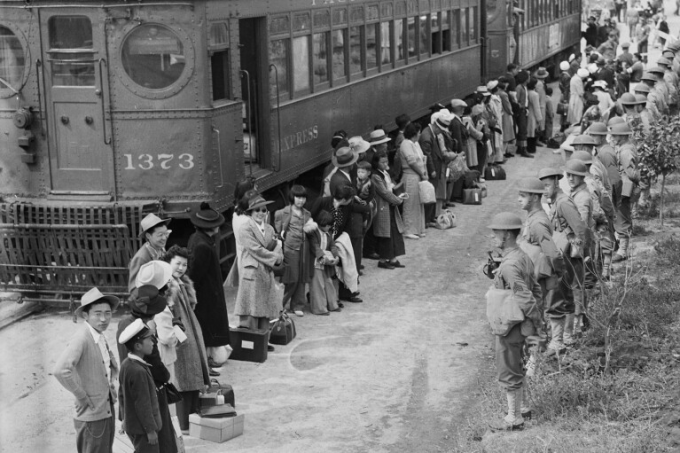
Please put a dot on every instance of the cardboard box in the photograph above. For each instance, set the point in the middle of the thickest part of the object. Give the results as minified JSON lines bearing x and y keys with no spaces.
{"x":216,"y":429}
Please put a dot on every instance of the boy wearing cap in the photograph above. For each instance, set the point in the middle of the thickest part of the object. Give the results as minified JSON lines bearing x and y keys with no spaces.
{"x":154,"y":232}
{"x":137,"y":393}
{"x":88,"y":369}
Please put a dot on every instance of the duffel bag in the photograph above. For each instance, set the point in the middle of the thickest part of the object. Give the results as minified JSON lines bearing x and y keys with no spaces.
{"x":472,"y":196}
{"x":494,"y":173}
{"x":282,"y":330}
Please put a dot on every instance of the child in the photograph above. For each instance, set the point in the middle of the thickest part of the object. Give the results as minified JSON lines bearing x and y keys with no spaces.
{"x":323,"y":294}
{"x":366,"y":196}
{"x":549,"y":113}
{"x":137,"y":393}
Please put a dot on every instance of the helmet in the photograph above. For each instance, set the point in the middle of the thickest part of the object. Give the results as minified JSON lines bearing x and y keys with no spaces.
{"x":575,"y":167}
{"x":620,"y":129}
{"x":530,"y":185}
{"x":640,"y":99}
{"x":648,"y":76}
{"x":664,"y":60}
{"x":628,"y":99}
{"x":583,"y":156}
{"x":597,"y":128}
{"x":615,"y":120}
{"x":641,"y":88}
{"x":657,"y":70}
{"x":584,"y":140}
{"x":505,"y":221}
{"x":550,"y":173}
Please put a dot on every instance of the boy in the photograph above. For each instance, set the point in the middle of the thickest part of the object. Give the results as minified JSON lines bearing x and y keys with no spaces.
{"x":366,"y":197}
{"x":322,"y":291}
{"x":137,"y":393}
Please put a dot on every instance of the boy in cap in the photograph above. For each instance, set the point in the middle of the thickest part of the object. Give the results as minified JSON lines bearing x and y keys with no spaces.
{"x":137,"y":393}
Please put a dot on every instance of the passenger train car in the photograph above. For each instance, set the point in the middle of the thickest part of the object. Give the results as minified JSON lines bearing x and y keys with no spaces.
{"x":110,"y":111}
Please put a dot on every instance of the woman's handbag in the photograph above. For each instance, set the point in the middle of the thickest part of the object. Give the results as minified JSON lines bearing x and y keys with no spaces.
{"x":173,"y":395}
{"x":282,"y":330}
{"x":427,"y":194}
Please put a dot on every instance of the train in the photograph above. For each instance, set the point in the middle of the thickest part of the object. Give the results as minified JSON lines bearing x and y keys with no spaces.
{"x":109,"y":111}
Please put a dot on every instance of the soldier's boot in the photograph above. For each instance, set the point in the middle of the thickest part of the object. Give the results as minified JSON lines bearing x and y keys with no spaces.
{"x":513,"y":421}
{"x":606,"y":266}
{"x":556,"y":345}
{"x":568,"y":337}
{"x":622,"y":253}
{"x":525,"y":409}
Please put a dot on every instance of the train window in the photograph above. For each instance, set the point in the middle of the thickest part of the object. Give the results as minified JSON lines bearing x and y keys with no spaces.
{"x":446,"y":31}
{"x":399,"y":42}
{"x":411,"y":32}
{"x":473,"y":24}
{"x":278,"y":56}
{"x":320,"y":55}
{"x":436,"y":33}
{"x":12,"y":61}
{"x":153,"y":56}
{"x":372,"y":45}
{"x":279,"y":25}
{"x":339,"y":37}
{"x":355,"y":60}
{"x":219,"y":66}
{"x":219,"y":35}
{"x":465,"y":27}
{"x":70,"y":32}
{"x":340,"y":16}
{"x":424,"y":35}
{"x":356,"y":15}
{"x":386,"y":10}
{"x":372,"y":13}
{"x":322,"y":19}
{"x":301,"y":64}
{"x":400,"y":9}
{"x":455,"y":28}
{"x":386,"y":44}
{"x":302,"y":22}
{"x":71,"y":51}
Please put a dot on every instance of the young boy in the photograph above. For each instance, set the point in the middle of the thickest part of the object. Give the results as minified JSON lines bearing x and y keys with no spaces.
{"x":137,"y":393}
{"x":322,"y":291}
{"x":366,"y":196}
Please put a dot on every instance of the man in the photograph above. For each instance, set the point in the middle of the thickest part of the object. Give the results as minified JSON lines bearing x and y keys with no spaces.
{"x":88,"y":369}
{"x":574,"y":63}
{"x":522,"y":116}
{"x":459,"y":136}
{"x":641,"y":109}
{"x":608,"y":48}
{"x":641,"y":89}
{"x":631,"y":115}
{"x":636,"y":70}
{"x":538,"y":244}
{"x":666,"y":89}
{"x":625,"y":56}
{"x":377,"y":141}
{"x":606,"y":155}
{"x":571,"y":236}
{"x":436,"y":143}
{"x":643,"y":36}
{"x":671,"y":79}
{"x":541,"y":76}
{"x":515,"y":276}
{"x":154,"y":231}
{"x":657,"y":92}
{"x":513,"y":70}
{"x":393,"y":158}
{"x":591,"y":32}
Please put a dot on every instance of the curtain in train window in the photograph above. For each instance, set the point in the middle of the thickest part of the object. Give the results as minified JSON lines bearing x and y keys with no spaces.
{"x":411,"y":31}
{"x":12,"y":59}
{"x":372,"y":45}
{"x":153,"y":56}
{"x":465,"y":27}
{"x":320,"y":53}
{"x":75,"y":65}
{"x":424,"y":34}
{"x":436,"y":33}
{"x":399,"y":42}
{"x":386,"y":43}
{"x":278,"y":56}
{"x":301,"y":64}
{"x":355,"y":62}
{"x":338,"y":39}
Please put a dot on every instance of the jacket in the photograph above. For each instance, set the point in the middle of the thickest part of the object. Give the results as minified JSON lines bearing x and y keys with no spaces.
{"x":584,"y":204}
{"x":436,"y":155}
{"x":145,"y":254}
{"x":138,"y":400}
{"x":384,"y":199}
{"x":535,"y":117}
{"x":80,"y":370}
{"x":339,"y":179}
{"x":352,"y":215}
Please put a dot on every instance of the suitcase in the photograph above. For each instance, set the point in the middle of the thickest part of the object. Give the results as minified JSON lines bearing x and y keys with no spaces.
{"x":494,"y":173}
{"x":472,"y":196}
{"x":282,"y":330}
{"x":217,"y":390}
{"x":249,"y":345}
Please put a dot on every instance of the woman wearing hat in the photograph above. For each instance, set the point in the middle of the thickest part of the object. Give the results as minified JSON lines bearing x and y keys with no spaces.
{"x":604,"y":99}
{"x":258,"y":298}
{"x":542,"y":75}
{"x":204,"y":271}
{"x":238,"y":219}
{"x":576,"y":96}
{"x":154,"y":232}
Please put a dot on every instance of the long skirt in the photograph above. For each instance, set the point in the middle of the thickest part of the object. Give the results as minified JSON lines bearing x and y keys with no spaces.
{"x":393,"y":246}
{"x":575,"y":109}
{"x":322,"y":292}
{"x":414,"y":211}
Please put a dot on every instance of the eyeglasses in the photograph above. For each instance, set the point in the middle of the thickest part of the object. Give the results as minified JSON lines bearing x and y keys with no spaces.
{"x":260,"y":210}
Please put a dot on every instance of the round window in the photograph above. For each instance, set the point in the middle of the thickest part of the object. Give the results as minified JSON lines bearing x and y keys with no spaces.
{"x":153,"y":56}
{"x":13,"y":63}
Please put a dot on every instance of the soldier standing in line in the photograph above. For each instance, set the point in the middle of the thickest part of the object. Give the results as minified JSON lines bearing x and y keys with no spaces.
{"x":515,"y":274}
{"x":605,"y":154}
{"x":630,"y":177}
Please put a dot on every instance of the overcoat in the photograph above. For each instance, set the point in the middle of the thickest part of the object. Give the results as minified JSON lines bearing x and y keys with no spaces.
{"x":297,"y":257}
{"x":534,"y":118}
{"x":384,"y":198}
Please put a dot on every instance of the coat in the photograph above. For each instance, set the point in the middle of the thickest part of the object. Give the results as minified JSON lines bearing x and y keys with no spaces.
{"x":145,"y":254}
{"x":297,"y":255}
{"x":258,"y":295}
{"x":211,"y":308}
{"x":535,"y":117}
{"x":348,"y":211}
{"x":576,"y":106}
{"x":138,"y":400}
{"x":437,"y":156}
{"x":540,"y":89}
{"x":384,"y":198}
{"x":507,"y":123}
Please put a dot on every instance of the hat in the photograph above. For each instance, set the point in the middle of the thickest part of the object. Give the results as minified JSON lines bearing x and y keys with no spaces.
{"x":669,"y":54}
{"x":657,"y":70}
{"x":137,"y":330}
{"x":582,"y":73}
{"x":627,"y":99}
{"x":358,"y":145}
{"x":620,"y":129}
{"x":492,"y":84}
{"x":550,"y":173}
{"x":592,"y":68}
{"x":155,"y":273}
{"x":673,"y":46}
{"x":258,"y":201}
{"x":505,"y":221}
{"x":584,"y":139}
{"x":206,"y":217}
{"x":664,"y":60}
{"x":542,"y":73}
{"x":615,"y":120}
{"x":149,"y":222}
{"x":648,"y":76}
{"x":625,"y":45}
{"x":455,"y":103}
{"x":572,"y":57}
{"x":575,"y":167}
{"x":146,"y":302}
{"x":597,"y":128}
{"x":600,"y":84}
{"x":641,"y":88}
{"x":640,"y":99}
{"x":483,"y":90}
{"x":530,"y":185}
{"x":600,"y":61}
{"x":94,"y":295}
{"x":564,"y":66}
{"x":583,"y":156}
{"x":344,"y":157}
{"x":378,"y":137}
{"x":444,"y":117}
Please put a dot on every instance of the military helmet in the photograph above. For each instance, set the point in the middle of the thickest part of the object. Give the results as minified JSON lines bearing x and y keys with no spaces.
{"x":530,"y":185}
{"x":627,"y":99}
{"x":664,"y":60}
{"x":648,"y":76}
{"x":656,"y":70}
{"x":597,"y":128}
{"x":583,"y":156}
{"x":641,"y":88}
{"x":584,"y":139}
{"x":640,"y":99}
{"x":615,"y":120}
{"x":505,"y":221}
{"x":620,"y":129}
{"x":575,"y":167}
{"x":550,"y":173}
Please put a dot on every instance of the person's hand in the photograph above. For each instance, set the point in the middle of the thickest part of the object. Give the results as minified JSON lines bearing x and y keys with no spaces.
{"x":152,"y":437}
{"x":433,"y":174}
{"x":85,"y":403}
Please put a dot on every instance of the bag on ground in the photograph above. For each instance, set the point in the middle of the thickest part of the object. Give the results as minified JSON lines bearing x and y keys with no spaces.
{"x":445,"y":220}
{"x":494,"y":173}
{"x":282,"y":330}
{"x":472,"y":196}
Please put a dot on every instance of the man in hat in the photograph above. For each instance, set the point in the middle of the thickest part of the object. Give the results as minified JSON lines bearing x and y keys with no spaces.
{"x":643,"y":36}
{"x":636,"y":70}
{"x":625,"y":56}
{"x":656,"y":92}
{"x":608,"y":48}
{"x":541,"y":76}
{"x":138,"y":401}
{"x":605,"y":154}
{"x":667,"y":92}
{"x":671,"y":78}
{"x":641,"y":109}
{"x":377,"y":141}
{"x":88,"y":369}
{"x":437,"y":145}
{"x":522,"y":114}
{"x":631,"y":115}
{"x":591,"y":32}
{"x":515,"y":274}
{"x":154,"y":232}
{"x":642,"y":89}
{"x":343,"y":159}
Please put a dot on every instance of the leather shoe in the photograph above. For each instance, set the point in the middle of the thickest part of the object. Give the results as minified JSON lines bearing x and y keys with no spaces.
{"x":396,"y":263}
{"x":385,"y":265}
{"x":340,"y":306}
{"x":213,"y":372}
{"x":525,"y":154}
{"x":450,"y":204}
{"x":372,"y":256}
{"x":355,"y":300}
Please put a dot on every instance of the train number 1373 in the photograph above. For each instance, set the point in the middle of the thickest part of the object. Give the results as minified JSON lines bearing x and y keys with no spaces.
{"x":164,"y":161}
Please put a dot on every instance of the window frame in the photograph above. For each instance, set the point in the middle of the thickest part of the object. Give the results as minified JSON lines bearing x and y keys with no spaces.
{"x":212,"y":50}
{"x":6,"y":92}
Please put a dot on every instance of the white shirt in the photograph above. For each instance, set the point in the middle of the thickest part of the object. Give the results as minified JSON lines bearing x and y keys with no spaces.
{"x":103,"y":348}
{"x":137,"y":358}
{"x":345,"y":173}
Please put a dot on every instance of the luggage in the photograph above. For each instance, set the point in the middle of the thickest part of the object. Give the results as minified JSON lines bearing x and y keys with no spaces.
{"x":494,"y":173}
{"x":426,"y":191}
{"x":216,"y":429}
{"x":249,"y":345}
{"x":472,"y":196}
{"x":445,"y":220}
{"x":217,"y":395}
{"x":282,"y":330}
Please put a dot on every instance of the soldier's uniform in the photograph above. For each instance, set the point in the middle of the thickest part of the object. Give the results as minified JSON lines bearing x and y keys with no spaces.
{"x":630,"y":176}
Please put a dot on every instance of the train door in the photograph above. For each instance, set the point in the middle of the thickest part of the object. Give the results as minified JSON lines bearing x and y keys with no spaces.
{"x":254,"y":85}
{"x":73,"y":54}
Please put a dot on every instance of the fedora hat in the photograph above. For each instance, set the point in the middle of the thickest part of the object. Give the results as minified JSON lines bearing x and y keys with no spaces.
{"x":259,"y":202}
{"x":530,"y":185}
{"x":344,"y":157}
{"x":664,"y":61}
{"x":492,"y":84}
{"x":378,"y":137}
{"x":542,"y":73}
{"x":575,"y":167}
{"x":550,"y":173}
{"x":150,"y":221}
{"x":359,"y":145}
{"x":155,"y":273}
{"x":135,"y":331}
{"x":597,"y":128}
{"x":206,"y":217}
{"x":94,"y":295}
{"x":146,"y":302}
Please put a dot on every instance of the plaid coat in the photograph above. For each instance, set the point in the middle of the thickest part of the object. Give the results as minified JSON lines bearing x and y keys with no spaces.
{"x":384,"y":198}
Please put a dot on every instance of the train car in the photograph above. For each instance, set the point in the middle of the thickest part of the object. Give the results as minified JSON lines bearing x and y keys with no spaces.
{"x":109,"y":111}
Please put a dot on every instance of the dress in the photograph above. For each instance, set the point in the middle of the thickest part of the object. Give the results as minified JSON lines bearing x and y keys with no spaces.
{"x":508,"y":123}
{"x":413,"y":164}
{"x":323,"y":295}
{"x":576,"y":92}
{"x":237,"y":221}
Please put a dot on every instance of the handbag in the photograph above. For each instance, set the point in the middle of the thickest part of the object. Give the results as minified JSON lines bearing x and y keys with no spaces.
{"x":426,"y":191}
{"x":282,"y":330}
{"x":472,"y":196}
{"x":172,"y":394}
{"x":562,"y":108}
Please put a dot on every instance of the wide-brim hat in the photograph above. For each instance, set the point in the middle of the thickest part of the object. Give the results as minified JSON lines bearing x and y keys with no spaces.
{"x":657,"y":70}
{"x":155,"y":273}
{"x":359,"y":145}
{"x":583,"y":156}
{"x":146,"y":302}
{"x":575,"y":167}
{"x":94,"y":295}
{"x":583,"y":73}
{"x":625,"y":45}
{"x":597,"y":128}
{"x":530,"y":185}
{"x":344,"y":157}
{"x":505,"y":221}
{"x":542,"y":73}
{"x":207,"y":217}
{"x":550,"y":173}
{"x":600,"y":84}
{"x":664,"y":60}
{"x":258,"y":202}
{"x":378,"y":137}
{"x":150,"y":221}
{"x":648,"y":76}
{"x":491,"y":84}
{"x":615,"y":120}
{"x":135,"y":331}
{"x":444,"y":117}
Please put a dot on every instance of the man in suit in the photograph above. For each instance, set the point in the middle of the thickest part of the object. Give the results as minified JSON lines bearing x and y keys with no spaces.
{"x":88,"y":369}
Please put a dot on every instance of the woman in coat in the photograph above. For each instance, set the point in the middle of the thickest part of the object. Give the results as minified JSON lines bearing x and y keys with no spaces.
{"x":414,"y":171}
{"x":507,"y":121}
{"x":204,"y":271}
{"x":576,"y":96}
{"x":535,"y":116}
{"x":258,"y":298}
{"x":244,"y":191}
{"x":387,"y":225}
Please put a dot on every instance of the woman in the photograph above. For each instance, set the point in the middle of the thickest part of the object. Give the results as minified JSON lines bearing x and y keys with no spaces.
{"x":604,"y":99}
{"x":482,"y":145}
{"x":258,"y":297}
{"x":495,"y":111}
{"x":238,"y":219}
{"x":576,"y":96}
{"x":507,"y":122}
{"x":387,"y":225}
{"x":293,"y":223}
{"x":190,"y":373}
{"x":154,"y":232}
{"x":204,"y":270}
{"x":414,"y":171}
{"x":535,"y":116}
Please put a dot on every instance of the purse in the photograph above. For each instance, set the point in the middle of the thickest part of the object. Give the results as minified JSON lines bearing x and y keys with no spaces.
{"x":217,"y":395}
{"x":282,"y":330}
{"x":172,"y":394}
{"x":426,"y":191}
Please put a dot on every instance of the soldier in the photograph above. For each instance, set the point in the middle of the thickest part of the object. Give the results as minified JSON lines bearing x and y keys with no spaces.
{"x":642,"y":89}
{"x":667,"y":90}
{"x":538,"y":244}
{"x":657,"y":95}
{"x":606,"y":154}
{"x":631,"y":115}
{"x":630,"y":177}
{"x":671,"y":78}
{"x":587,"y":143}
{"x":571,"y":236}
{"x":645,"y":115}
{"x":515,"y":275}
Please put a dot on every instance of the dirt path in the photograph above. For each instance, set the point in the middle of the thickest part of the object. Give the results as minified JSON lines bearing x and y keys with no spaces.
{"x":389,"y":375}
